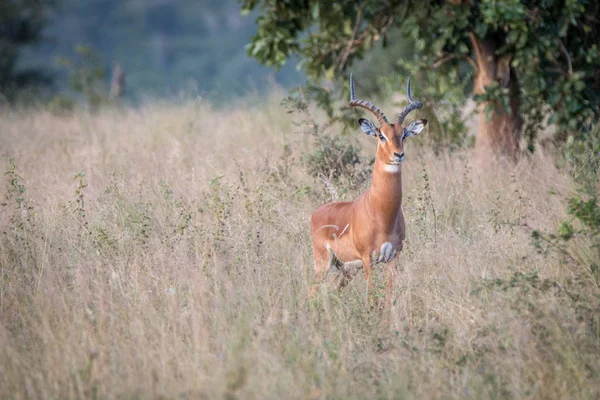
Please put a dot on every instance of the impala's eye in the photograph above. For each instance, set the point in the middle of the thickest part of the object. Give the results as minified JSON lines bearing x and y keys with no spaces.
{"x":381,"y":137}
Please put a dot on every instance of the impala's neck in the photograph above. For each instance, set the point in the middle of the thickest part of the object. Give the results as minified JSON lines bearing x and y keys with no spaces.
{"x":385,"y":193}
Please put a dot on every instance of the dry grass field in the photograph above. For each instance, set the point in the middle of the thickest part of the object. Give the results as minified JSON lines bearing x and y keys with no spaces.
{"x":164,"y":253}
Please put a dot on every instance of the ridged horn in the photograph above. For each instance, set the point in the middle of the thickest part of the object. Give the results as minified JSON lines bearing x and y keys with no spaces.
{"x":367,"y":105}
{"x":413,"y":105}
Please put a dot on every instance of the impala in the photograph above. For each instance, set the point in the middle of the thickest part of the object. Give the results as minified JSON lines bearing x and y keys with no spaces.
{"x":347,"y":236}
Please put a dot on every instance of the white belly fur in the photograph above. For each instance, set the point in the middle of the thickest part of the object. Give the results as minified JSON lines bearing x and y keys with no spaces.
{"x":351,"y":268}
{"x":387,"y":253}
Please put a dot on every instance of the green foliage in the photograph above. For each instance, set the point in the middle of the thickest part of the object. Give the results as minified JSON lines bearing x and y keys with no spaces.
{"x":496,"y":99}
{"x":548,"y":49}
{"x":282,"y":28}
{"x":551,"y":48}
{"x":577,"y":239}
{"x":582,"y":153}
{"x":587,"y":212}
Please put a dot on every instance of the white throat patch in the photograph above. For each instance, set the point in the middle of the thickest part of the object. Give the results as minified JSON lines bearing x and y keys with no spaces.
{"x":392,"y":168}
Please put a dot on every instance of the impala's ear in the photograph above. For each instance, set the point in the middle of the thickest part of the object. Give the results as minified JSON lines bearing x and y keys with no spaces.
{"x":414,"y":128}
{"x":367,"y":126}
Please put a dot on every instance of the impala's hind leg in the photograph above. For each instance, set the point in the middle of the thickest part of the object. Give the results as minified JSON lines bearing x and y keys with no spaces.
{"x":368,"y":271}
{"x":347,"y":271}
{"x":324,"y":261}
{"x":391,"y":271}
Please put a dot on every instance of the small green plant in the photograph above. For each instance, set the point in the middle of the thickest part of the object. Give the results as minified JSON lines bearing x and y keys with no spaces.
{"x":24,"y":210}
{"x":218,"y":204}
{"x":495,"y":214}
{"x":577,"y":238}
{"x":424,"y":203}
{"x":78,"y":202}
{"x":139,"y":222}
{"x":15,"y":187}
{"x":18,"y":237}
{"x":582,"y":154}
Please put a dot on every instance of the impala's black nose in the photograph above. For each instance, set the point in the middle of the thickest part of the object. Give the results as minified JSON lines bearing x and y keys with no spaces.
{"x":399,"y":156}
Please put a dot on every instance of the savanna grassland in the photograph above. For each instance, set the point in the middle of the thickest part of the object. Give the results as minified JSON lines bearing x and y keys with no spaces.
{"x":164,"y":253}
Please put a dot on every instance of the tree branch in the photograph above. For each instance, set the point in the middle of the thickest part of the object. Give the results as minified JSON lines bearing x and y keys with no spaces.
{"x":472,"y":62}
{"x":381,"y":22}
{"x":344,"y":56}
{"x":484,"y":56}
{"x":444,"y":60}
{"x":566,"y":54}
{"x":450,"y":57}
{"x":476,"y":47}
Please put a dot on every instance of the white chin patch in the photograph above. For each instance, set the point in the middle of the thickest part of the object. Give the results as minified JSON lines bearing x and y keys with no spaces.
{"x":392,"y":168}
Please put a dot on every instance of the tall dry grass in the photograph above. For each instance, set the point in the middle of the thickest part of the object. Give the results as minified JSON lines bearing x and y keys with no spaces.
{"x":164,"y":253}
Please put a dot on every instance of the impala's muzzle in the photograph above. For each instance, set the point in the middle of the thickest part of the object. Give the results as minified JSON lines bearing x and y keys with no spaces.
{"x":398,"y":158}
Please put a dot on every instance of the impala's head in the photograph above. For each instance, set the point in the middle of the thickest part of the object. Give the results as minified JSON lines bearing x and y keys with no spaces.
{"x":390,"y":136}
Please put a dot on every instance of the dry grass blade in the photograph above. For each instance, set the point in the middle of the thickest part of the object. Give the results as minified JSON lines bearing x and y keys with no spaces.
{"x":160,"y":273}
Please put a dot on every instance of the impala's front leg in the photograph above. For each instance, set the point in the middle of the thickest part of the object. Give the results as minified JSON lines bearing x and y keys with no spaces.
{"x":368,"y":271}
{"x":390,"y":269}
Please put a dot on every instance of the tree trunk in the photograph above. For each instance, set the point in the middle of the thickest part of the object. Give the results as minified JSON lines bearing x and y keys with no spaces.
{"x":500,"y":134}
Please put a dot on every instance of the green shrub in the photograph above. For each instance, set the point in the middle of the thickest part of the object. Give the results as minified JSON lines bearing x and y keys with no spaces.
{"x":333,"y":157}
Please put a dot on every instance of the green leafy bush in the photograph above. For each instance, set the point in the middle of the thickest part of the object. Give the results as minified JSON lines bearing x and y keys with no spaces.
{"x":333,"y":157}
{"x":577,"y":238}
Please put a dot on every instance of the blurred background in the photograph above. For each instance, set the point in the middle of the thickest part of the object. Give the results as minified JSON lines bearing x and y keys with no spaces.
{"x":533,"y":68}
{"x":164,"y":46}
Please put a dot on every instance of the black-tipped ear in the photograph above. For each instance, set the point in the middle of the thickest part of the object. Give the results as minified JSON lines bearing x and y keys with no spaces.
{"x":414,"y":128}
{"x":367,"y":126}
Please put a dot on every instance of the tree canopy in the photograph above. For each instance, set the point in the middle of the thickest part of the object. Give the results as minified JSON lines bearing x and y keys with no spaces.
{"x":531,"y":62}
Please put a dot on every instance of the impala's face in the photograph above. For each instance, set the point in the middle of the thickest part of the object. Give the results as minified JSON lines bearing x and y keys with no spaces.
{"x":390,"y":137}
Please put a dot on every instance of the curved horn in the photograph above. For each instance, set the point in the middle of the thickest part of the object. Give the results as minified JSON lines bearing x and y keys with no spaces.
{"x":413,"y":105}
{"x":367,"y":105}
